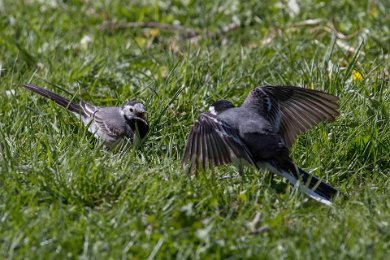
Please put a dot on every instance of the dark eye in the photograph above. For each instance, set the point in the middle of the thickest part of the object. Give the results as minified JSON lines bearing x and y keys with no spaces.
{"x":131,"y":110}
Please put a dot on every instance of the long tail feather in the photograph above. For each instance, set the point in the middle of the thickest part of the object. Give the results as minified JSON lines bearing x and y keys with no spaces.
{"x":75,"y":108}
{"x":320,"y":187}
{"x":311,"y":185}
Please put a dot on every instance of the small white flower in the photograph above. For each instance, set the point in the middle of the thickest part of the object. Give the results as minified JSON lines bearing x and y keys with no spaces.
{"x":293,"y":7}
{"x":10,"y":92}
{"x":85,"y":41}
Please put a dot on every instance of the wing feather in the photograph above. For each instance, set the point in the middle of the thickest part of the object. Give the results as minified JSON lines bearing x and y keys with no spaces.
{"x":213,"y":142}
{"x":88,"y":109}
{"x":213,"y":145}
{"x":105,"y":127}
{"x":299,"y":109}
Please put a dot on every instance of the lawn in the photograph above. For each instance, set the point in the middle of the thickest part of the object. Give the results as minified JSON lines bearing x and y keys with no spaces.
{"x":63,"y":196}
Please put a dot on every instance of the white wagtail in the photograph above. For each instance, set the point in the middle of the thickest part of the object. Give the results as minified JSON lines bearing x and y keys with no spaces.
{"x":261,"y":131}
{"x":110,"y":124}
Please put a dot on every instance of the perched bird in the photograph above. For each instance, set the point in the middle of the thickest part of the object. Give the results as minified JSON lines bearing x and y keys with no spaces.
{"x":260,"y":133}
{"x":110,"y":124}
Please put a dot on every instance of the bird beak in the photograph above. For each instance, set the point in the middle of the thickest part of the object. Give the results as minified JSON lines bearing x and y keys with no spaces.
{"x":140,"y":114}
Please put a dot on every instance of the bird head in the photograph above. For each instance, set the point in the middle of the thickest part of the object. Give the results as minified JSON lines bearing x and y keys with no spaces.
{"x":219,"y":106}
{"x":133,"y":110}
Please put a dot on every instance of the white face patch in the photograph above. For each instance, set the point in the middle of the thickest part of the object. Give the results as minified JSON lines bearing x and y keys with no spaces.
{"x":131,"y":111}
{"x":212,"y":110}
{"x":139,"y":107}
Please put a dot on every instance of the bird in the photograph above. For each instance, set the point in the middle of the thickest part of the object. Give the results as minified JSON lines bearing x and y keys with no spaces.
{"x":261,"y":132}
{"x":109,"y":124}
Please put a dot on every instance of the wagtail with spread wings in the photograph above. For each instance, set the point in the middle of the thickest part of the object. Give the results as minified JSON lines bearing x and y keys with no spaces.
{"x":110,"y":124}
{"x":261,"y":132}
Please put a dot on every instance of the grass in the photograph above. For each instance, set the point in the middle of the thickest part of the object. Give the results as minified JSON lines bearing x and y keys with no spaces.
{"x":63,"y":196}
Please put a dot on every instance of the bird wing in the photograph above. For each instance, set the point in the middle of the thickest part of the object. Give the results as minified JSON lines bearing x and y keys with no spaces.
{"x":88,"y":108}
{"x":212,"y":141}
{"x":295,"y":110}
{"x":110,"y":122}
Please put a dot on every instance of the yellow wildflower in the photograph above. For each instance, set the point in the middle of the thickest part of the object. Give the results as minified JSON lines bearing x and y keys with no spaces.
{"x":357,"y":76}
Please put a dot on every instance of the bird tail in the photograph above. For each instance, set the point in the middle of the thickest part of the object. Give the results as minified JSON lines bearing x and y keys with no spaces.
{"x":312,"y":186}
{"x":75,"y":108}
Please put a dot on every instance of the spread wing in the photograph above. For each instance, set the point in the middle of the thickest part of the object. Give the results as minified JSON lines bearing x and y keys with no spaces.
{"x":212,"y":141}
{"x":295,"y":110}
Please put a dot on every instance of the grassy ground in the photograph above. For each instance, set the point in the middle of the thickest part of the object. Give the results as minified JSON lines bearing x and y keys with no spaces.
{"x":62,"y":195}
